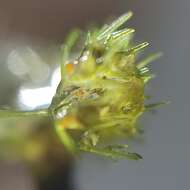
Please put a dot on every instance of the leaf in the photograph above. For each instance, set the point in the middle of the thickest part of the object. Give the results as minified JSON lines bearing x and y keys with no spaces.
{"x":144,"y":71}
{"x":118,"y":35}
{"x":118,"y":146}
{"x":66,"y":48}
{"x":134,"y":49}
{"x":107,"y":30}
{"x":123,"y":32}
{"x":155,"y":105}
{"x":147,"y":78}
{"x":65,"y":138}
{"x":148,"y":60}
{"x":113,"y":152}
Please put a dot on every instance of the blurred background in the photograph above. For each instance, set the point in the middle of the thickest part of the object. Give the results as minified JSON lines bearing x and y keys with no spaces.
{"x":30,"y":26}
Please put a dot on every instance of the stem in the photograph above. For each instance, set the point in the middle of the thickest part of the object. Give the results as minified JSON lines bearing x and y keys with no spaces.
{"x":13,"y":113}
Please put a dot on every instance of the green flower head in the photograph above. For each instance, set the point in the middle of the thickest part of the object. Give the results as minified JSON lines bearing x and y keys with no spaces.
{"x":101,"y":94}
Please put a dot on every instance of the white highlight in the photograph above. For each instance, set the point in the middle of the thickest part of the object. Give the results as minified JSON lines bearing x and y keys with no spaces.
{"x":26,"y":62}
{"x":36,"y":97}
{"x":16,"y":64}
{"x":33,"y":98}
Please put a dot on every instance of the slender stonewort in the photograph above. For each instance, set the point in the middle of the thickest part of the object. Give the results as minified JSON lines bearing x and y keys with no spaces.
{"x":101,"y":92}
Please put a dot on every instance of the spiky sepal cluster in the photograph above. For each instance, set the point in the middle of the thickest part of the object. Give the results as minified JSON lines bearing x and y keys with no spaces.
{"x":101,"y":94}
